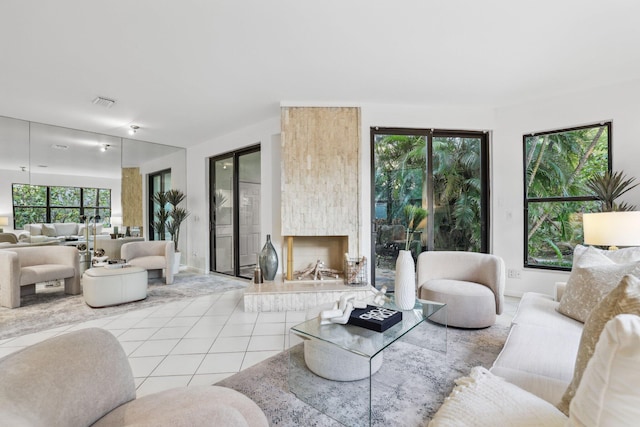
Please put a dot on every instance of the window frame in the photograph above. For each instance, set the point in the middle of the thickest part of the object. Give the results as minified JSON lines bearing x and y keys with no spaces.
{"x":48,"y":207}
{"x":555,"y":199}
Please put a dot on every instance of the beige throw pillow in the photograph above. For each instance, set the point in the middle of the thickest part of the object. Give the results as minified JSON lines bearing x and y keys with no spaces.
{"x":594,"y":274}
{"x":624,"y":299}
{"x":49,"y":230}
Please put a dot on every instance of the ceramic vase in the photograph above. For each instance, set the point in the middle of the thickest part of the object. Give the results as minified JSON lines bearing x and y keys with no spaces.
{"x":405,"y":286}
{"x":268,"y":260}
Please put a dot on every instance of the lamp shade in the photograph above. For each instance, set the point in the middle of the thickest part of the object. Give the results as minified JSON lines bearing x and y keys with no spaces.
{"x":612,"y":228}
{"x":4,"y":220}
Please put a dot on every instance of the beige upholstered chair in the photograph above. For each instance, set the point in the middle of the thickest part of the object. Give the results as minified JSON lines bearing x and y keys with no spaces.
{"x":151,"y":255}
{"x":84,"y":378}
{"x":8,"y":238}
{"x":470,"y":283}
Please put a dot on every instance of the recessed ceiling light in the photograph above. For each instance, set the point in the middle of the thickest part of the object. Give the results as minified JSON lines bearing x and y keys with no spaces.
{"x":134,"y":129}
{"x":103,"y":102}
{"x":59,"y":147}
{"x":104,"y":147}
{"x":43,"y":166}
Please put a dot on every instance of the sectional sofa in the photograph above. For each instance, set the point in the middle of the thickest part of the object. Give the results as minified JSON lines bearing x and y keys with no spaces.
{"x":61,"y":231}
{"x":569,"y":360}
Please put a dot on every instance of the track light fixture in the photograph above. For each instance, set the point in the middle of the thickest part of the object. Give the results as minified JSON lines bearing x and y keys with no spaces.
{"x":134,"y":129}
{"x":104,"y":147}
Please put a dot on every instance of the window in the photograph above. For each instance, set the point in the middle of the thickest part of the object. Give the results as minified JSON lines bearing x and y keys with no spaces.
{"x":159,"y":182}
{"x":557,"y":164}
{"x":34,"y":204}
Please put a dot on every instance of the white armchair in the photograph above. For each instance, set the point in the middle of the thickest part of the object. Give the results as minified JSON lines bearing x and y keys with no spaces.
{"x":470,"y":283}
{"x":151,"y":255}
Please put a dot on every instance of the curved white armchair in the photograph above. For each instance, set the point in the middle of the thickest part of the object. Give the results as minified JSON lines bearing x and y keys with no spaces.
{"x":470,"y":283}
{"x":151,"y":255}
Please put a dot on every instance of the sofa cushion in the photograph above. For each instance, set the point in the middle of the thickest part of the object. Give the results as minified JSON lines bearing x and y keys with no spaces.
{"x":482,"y":399}
{"x":608,"y":394}
{"x":93,"y":229}
{"x":149,"y":262}
{"x":44,"y":273}
{"x":34,"y":229}
{"x":66,"y":228}
{"x":624,"y":299}
{"x":533,"y":354}
{"x":594,"y":274}
{"x":541,"y":310}
{"x":192,"y":406}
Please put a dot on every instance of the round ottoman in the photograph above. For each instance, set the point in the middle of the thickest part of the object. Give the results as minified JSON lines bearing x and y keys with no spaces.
{"x":333,"y":363}
{"x":469,"y":304}
{"x":102,"y":287}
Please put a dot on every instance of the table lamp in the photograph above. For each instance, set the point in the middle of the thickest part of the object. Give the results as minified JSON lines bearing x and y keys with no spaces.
{"x":612,"y":229}
{"x":4,"y":221}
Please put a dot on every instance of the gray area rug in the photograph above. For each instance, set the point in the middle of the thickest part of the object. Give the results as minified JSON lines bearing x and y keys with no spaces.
{"x":50,"y":307}
{"x":406,"y":391}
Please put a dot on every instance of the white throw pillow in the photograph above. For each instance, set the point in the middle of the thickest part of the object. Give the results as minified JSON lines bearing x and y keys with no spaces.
{"x":483,"y":399}
{"x":608,"y":394}
{"x":594,"y":274}
{"x":623,"y":299}
{"x":34,"y":229}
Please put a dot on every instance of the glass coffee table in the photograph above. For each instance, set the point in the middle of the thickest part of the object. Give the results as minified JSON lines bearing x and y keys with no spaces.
{"x":346,"y":359}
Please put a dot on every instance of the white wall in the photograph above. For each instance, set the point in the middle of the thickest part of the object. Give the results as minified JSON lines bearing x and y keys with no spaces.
{"x":265,"y":133}
{"x":618,"y":103}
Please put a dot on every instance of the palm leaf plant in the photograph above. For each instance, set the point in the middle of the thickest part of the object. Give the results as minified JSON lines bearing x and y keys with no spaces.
{"x":414,"y":215}
{"x":161,"y":215}
{"x":176,"y":215}
{"x":608,"y":187}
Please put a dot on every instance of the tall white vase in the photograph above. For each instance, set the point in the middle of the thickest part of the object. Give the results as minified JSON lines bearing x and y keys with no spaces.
{"x":405,"y":287}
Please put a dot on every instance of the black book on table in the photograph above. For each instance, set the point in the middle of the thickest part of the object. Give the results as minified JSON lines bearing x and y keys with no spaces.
{"x":374,"y":318}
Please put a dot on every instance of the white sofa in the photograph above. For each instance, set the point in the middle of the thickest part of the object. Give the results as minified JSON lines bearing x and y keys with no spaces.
{"x":21,"y":268}
{"x":60,"y":231}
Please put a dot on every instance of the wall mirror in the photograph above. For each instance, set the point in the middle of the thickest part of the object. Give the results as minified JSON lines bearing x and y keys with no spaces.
{"x":40,"y":154}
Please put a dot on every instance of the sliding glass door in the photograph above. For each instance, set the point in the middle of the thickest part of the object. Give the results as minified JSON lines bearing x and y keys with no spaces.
{"x":429,"y":192}
{"x":235,"y":212}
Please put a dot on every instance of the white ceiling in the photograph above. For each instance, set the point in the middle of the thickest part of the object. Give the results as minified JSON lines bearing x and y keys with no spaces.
{"x":187,"y":71}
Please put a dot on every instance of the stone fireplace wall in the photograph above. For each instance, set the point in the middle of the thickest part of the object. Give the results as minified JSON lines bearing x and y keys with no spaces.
{"x":320,"y":174}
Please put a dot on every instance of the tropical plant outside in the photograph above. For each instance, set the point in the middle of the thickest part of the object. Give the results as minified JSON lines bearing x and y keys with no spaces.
{"x":401,"y":181}
{"x":559,"y":167}
{"x":34,"y":204}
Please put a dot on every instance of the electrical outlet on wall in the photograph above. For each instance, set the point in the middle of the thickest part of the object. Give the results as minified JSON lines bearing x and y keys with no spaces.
{"x":514,"y":273}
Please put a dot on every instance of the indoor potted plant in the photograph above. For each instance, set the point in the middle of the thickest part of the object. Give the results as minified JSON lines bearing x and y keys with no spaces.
{"x":175,"y":217}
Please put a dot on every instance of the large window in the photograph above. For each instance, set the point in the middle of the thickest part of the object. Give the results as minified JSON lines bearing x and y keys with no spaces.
{"x":34,"y":204}
{"x":444,"y":173}
{"x":557,"y":164}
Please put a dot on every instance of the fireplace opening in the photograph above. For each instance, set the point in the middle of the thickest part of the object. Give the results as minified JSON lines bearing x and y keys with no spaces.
{"x":308,"y":254}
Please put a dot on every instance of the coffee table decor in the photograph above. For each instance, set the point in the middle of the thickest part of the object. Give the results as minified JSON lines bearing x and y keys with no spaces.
{"x":375,"y":318}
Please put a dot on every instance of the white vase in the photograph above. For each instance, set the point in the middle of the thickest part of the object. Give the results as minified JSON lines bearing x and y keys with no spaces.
{"x":405,"y":286}
{"x":176,"y":262}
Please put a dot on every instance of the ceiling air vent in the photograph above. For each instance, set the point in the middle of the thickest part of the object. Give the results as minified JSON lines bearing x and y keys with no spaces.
{"x":103,"y":102}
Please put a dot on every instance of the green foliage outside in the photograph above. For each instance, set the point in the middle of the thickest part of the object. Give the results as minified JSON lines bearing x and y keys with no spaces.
{"x":32,"y":204}
{"x":400,"y":180}
{"x":559,"y":166}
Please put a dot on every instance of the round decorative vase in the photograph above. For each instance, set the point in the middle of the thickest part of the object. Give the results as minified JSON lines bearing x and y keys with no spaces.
{"x":405,"y":286}
{"x":268,"y":260}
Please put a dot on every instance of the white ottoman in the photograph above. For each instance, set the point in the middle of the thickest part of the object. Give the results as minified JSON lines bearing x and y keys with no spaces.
{"x":333,"y":363}
{"x":111,"y":286}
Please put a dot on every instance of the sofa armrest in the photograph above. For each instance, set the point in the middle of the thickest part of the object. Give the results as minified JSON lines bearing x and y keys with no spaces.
{"x":72,"y":379}
{"x":9,"y":279}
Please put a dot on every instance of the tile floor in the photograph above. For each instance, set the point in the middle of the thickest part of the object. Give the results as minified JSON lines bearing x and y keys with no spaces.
{"x":191,"y":342}
{"x":195,"y":341}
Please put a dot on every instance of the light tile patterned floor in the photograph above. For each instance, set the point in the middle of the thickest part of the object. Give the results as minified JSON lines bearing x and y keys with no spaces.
{"x":192,"y":342}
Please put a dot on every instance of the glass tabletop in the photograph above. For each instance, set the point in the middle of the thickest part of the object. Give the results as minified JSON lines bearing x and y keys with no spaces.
{"x":363,"y":341}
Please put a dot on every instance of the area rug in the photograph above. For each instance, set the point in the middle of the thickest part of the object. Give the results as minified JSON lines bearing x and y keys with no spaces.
{"x":407,"y":390}
{"x":50,"y":307}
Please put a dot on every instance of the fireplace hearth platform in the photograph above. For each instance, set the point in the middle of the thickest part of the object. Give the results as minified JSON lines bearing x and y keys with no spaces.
{"x":297,"y":295}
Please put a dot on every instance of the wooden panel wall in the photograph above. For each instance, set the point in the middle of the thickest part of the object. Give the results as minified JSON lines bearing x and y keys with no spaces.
{"x":131,"y":194}
{"x":320,"y":172}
